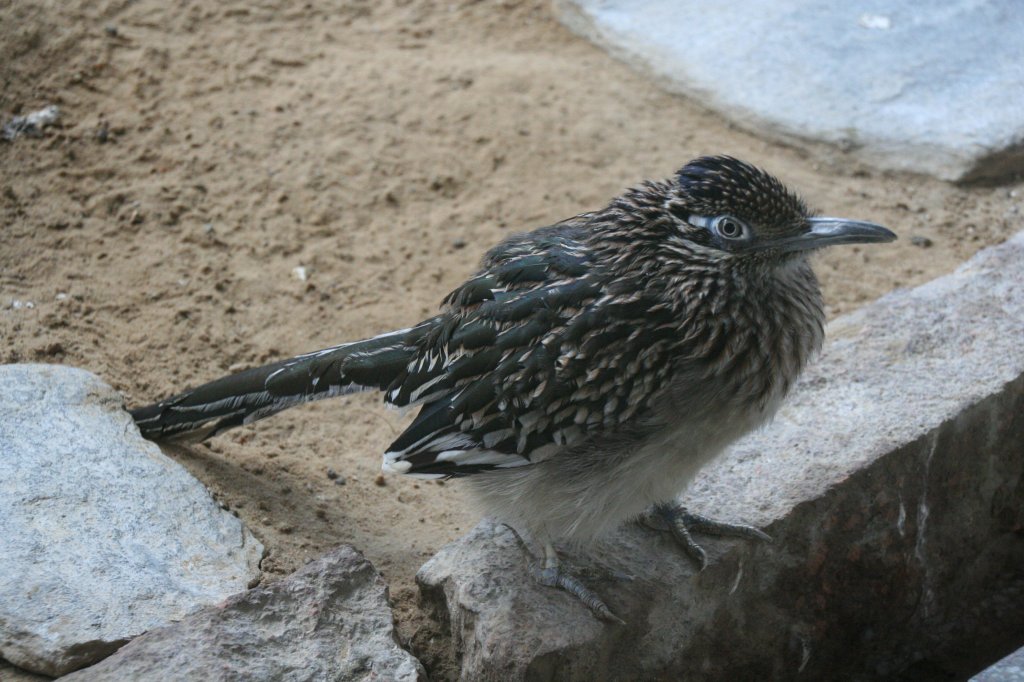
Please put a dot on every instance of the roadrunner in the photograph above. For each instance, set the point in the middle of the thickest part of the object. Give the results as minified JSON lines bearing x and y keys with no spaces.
{"x":589,"y":369}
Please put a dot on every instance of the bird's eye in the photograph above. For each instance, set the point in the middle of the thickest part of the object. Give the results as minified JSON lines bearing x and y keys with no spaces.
{"x":729,"y":227}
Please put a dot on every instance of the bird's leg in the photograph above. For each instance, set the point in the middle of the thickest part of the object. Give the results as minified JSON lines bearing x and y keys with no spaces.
{"x":677,"y":520}
{"x":553,"y":575}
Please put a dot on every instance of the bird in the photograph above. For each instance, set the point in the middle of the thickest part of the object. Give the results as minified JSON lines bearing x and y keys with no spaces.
{"x":584,"y":375}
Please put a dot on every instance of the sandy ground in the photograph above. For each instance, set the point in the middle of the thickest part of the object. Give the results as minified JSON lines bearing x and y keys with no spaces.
{"x":207,"y":150}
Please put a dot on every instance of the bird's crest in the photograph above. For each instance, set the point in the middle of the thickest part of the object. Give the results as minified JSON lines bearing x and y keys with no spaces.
{"x":722,"y":185}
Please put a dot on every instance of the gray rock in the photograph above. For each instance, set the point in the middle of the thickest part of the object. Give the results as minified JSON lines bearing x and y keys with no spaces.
{"x":1009,"y":669}
{"x":892,"y":483}
{"x":926,"y":87}
{"x":9,"y":673}
{"x":328,"y":621}
{"x":102,"y":537}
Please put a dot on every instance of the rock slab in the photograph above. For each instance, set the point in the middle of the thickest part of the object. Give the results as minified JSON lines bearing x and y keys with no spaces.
{"x":932,"y":88}
{"x":328,"y":621}
{"x":892,"y":483}
{"x":102,"y":537}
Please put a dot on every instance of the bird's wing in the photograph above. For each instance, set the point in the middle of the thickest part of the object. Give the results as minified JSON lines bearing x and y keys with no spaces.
{"x":537,"y":352}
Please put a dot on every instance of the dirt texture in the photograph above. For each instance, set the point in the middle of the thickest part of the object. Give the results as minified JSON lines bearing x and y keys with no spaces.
{"x":235,"y":182}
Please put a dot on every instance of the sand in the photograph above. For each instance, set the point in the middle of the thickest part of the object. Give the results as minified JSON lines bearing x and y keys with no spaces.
{"x":237,"y":182}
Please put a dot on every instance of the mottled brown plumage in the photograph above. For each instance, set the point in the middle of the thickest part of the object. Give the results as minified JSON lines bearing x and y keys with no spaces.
{"x":590,"y":368}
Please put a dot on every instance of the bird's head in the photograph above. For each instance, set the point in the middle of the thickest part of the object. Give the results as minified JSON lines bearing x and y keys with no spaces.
{"x":731,"y":207}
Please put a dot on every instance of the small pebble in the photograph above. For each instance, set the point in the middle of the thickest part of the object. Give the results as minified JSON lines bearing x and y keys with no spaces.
{"x":380,"y":480}
{"x":459,"y":244}
{"x":30,"y":124}
{"x":923,"y":242}
{"x":332,"y":474}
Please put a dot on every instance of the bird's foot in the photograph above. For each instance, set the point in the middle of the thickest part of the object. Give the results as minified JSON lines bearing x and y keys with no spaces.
{"x":675,"y":519}
{"x":553,"y":575}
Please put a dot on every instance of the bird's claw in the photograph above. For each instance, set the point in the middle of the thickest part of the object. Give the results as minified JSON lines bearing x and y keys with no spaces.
{"x":705,"y":526}
{"x":554,"y":576}
{"x":681,"y":523}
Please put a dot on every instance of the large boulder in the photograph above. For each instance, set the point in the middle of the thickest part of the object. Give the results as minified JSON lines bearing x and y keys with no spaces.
{"x":328,"y":621}
{"x":102,"y":537}
{"x":925,"y":87}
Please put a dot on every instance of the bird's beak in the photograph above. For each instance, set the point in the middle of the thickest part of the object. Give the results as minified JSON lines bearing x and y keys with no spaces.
{"x":823,"y":232}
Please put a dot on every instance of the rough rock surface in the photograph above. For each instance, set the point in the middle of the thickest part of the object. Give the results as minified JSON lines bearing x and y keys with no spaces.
{"x":924,"y":87}
{"x":102,"y":537}
{"x":892,"y":483}
{"x":328,"y":621}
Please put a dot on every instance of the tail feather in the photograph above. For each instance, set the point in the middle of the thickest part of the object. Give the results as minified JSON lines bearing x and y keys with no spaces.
{"x":259,"y":392}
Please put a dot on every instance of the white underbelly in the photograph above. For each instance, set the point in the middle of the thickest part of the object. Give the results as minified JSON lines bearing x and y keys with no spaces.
{"x":560,"y":500}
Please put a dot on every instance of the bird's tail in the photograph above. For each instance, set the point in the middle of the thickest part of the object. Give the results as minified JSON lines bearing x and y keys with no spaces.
{"x":262,"y":391}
